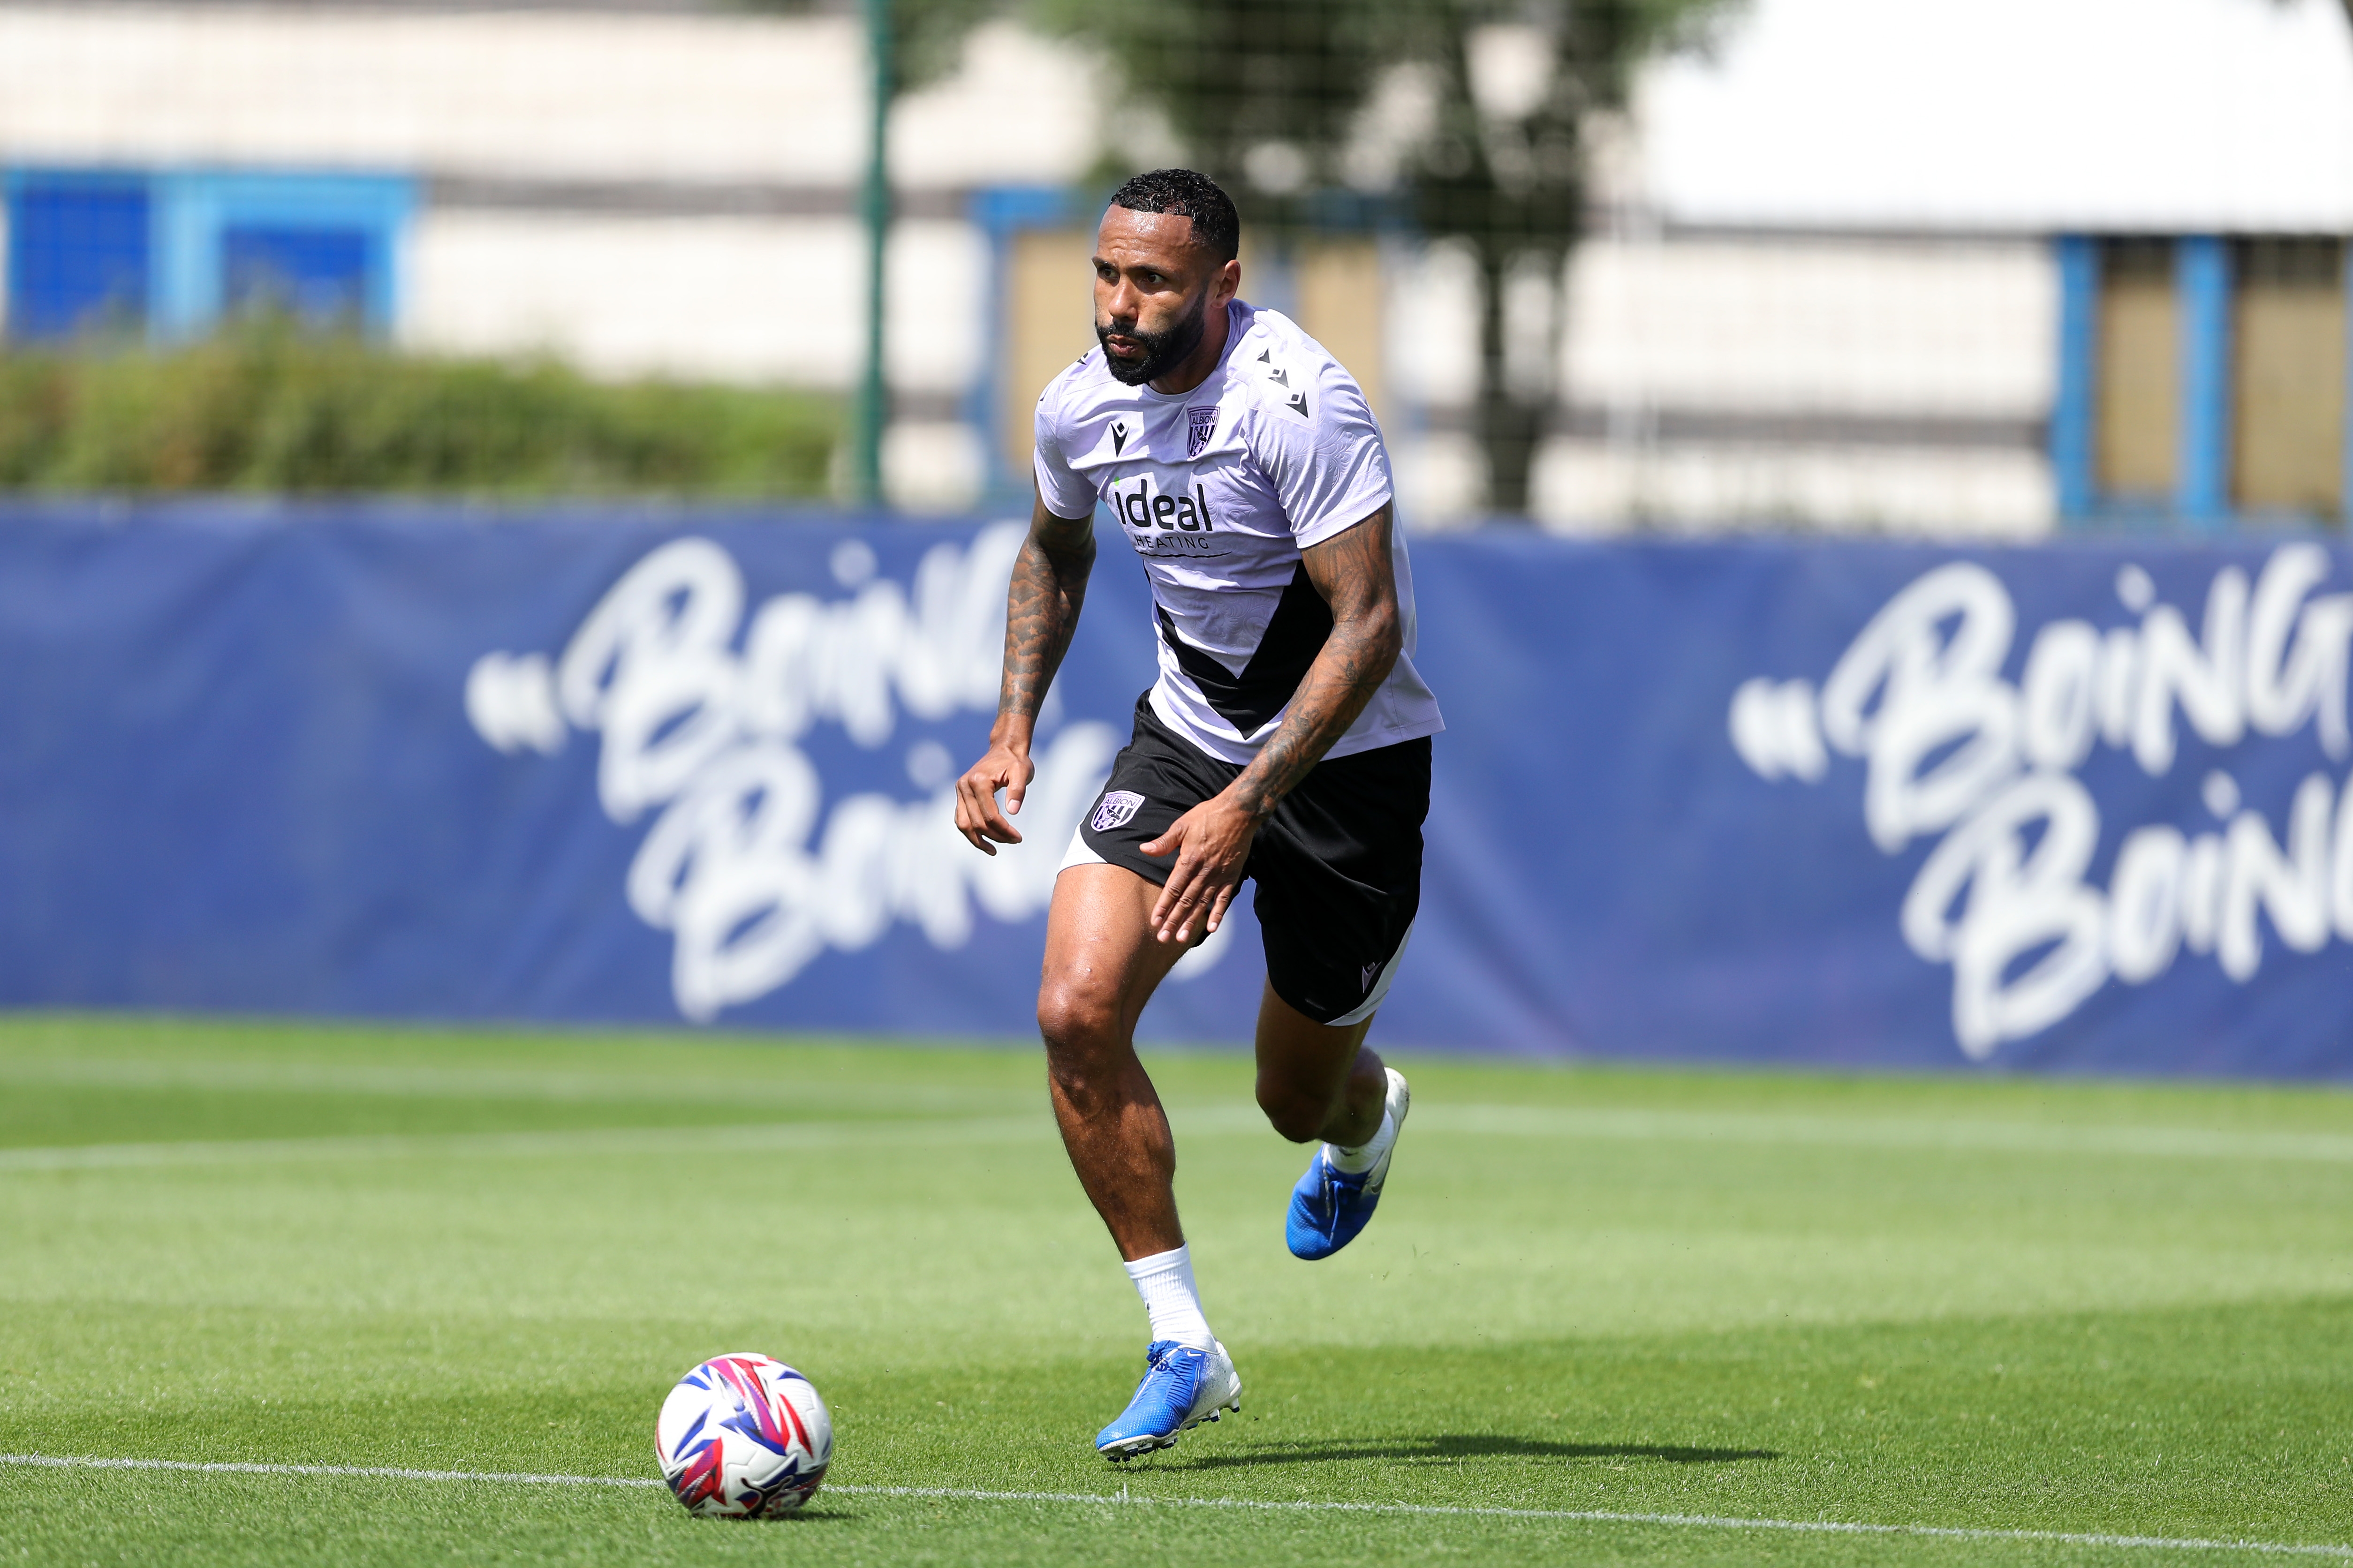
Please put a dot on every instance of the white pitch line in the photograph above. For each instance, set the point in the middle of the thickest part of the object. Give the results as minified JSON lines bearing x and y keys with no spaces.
{"x":379,"y":1472}
{"x":1123,"y":1499}
{"x":1604,"y":1516}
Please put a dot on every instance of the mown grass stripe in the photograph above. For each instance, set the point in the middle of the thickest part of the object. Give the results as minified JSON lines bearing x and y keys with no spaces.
{"x":552,"y":1086}
{"x":1123,"y":1499}
{"x":1903,"y":1135}
{"x":1958,"y":1134}
{"x":1606,"y":1516}
{"x":751,"y":1138}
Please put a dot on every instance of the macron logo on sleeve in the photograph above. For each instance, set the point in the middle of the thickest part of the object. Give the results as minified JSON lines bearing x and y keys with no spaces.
{"x":1297,"y":399}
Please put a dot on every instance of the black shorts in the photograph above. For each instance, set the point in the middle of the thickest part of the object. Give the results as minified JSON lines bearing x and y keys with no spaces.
{"x":1338,"y":866}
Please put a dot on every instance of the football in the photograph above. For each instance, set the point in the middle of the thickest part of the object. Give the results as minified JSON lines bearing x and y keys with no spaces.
{"x":744,"y":1437}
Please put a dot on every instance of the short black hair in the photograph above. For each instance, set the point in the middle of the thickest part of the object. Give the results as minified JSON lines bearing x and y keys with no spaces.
{"x":1186,"y":192}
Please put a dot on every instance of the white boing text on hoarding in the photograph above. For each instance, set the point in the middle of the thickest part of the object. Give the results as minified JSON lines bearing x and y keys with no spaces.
{"x":735,"y":865}
{"x":1951,"y":748}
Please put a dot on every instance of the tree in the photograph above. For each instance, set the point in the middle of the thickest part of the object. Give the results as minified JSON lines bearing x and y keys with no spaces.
{"x":912,"y":42}
{"x":1463,"y":118}
{"x":1488,"y":107}
{"x":926,"y":36}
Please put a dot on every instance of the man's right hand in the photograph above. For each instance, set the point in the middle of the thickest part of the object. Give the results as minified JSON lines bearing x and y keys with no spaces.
{"x":1007,"y":767}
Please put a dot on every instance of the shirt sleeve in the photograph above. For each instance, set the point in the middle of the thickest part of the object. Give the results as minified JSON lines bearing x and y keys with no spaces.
{"x":1329,"y":466}
{"x":1066,"y":492}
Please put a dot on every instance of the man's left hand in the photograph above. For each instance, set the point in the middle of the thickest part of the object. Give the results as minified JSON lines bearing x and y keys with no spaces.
{"x":1212,"y":844}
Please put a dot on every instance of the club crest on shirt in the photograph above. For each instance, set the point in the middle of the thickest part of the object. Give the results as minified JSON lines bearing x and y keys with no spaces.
{"x":1118,"y":809}
{"x":1199,"y":424}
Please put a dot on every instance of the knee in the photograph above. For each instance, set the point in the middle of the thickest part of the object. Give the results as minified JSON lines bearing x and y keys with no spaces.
{"x":1077,"y":1024}
{"x":1298,"y":1116}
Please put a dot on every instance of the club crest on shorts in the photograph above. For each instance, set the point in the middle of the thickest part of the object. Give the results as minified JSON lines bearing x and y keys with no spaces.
{"x":1118,"y":809}
{"x":1199,"y":424}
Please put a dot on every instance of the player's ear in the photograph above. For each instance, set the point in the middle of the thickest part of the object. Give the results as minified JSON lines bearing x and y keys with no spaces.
{"x":1228,"y":283}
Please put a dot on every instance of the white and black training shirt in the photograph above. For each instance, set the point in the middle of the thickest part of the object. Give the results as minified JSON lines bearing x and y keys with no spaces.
{"x":1219,"y":489}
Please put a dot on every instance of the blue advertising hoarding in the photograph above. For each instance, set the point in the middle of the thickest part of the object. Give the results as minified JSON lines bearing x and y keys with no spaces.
{"x":2078,"y":807}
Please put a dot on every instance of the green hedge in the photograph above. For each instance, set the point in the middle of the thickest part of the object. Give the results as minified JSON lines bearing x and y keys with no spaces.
{"x":271,"y":409}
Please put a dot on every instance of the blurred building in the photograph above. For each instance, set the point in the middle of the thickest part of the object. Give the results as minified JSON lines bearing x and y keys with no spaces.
{"x":1924,"y":264}
{"x":640,"y":188}
{"x":1911,"y":265}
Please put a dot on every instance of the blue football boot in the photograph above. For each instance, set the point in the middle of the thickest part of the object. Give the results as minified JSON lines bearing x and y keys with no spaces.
{"x":1181,"y":1389}
{"x":1329,"y":1206}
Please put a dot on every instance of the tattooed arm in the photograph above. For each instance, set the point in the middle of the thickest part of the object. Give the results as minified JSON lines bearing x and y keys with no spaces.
{"x":1041,"y":610}
{"x":1211,"y":842}
{"x":1353,"y":572}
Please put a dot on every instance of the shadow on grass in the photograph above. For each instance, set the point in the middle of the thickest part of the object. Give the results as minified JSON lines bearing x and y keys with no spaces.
{"x":1465,"y":1446}
{"x":827,"y":1514}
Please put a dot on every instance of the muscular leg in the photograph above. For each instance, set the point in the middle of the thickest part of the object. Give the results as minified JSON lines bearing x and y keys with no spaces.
{"x":1316,"y":1081}
{"x":1102,"y":966}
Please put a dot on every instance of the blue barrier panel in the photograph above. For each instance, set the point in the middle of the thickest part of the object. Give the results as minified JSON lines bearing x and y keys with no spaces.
{"x":2078,"y":807}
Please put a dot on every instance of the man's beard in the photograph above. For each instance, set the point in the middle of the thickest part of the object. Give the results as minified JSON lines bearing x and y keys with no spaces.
{"x":1163,"y":352}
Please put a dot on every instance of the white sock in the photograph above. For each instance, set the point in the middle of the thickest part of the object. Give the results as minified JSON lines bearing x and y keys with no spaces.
{"x":1355,"y":1162}
{"x":1164,"y":1280}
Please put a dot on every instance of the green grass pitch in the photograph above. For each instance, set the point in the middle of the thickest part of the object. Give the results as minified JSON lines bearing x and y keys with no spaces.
{"x":2086,"y":1311}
